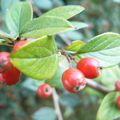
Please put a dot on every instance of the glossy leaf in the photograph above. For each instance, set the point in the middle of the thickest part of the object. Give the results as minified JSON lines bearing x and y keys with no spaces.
{"x":108,"y":109}
{"x":38,"y":59}
{"x":65,"y":12}
{"x":18,"y":16}
{"x":45,"y":26}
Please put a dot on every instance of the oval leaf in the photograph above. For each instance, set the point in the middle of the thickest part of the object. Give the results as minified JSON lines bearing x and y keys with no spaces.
{"x":45,"y":26}
{"x":75,"y":46}
{"x":38,"y":59}
{"x":65,"y":12}
{"x":18,"y":16}
{"x":108,"y":109}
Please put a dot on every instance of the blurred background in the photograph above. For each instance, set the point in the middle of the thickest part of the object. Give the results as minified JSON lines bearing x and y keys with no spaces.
{"x":21,"y":102}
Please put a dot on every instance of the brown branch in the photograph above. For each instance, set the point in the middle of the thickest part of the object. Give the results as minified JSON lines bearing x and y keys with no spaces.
{"x":98,"y":86}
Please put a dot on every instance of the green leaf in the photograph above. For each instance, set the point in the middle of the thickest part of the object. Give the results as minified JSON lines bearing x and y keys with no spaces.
{"x":56,"y":80}
{"x":108,"y":109}
{"x":78,"y":25}
{"x":38,"y":59}
{"x":45,"y":113}
{"x":65,"y":12}
{"x":18,"y":16}
{"x":114,"y":73}
{"x":45,"y":26}
{"x":104,"y":47}
{"x":75,"y":46}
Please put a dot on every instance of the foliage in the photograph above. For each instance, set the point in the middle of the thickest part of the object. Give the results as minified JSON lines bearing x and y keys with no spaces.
{"x":41,"y":59}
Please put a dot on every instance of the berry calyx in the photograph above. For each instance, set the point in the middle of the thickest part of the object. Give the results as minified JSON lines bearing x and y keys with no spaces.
{"x":118,"y":101}
{"x":89,"y":67}
{"x":5,"y":63}
{"x":73,"y":80}
{"x":20,"y":44}
{"x":11,"y":77}
{"x":117,"y":85}
{"x":44,"y":90}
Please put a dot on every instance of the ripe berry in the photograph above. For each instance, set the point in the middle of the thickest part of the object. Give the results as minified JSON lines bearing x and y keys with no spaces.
{"x":118,"y":102}
{"x":5,"y":63}
{"x":73,"y":80}
{"x":44,"y":91}
{"x":12,"y":76}
{"x":89,"y":67}
{"x":19,"y":44}
{"x":117,"y":85}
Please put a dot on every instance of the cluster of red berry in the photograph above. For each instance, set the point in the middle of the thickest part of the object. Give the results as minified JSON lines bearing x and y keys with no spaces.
{"x":9,"y":75}
{"x":73,"y":79}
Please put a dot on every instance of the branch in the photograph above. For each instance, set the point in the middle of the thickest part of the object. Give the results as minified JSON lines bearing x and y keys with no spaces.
{"x":56,"y":104}
{"x":98,"y":86}
{"x":90,"y":83}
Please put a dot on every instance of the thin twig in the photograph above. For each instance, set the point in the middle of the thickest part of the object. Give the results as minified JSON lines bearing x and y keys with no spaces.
{"x":98,"y":86}
{"x":56,"y":104}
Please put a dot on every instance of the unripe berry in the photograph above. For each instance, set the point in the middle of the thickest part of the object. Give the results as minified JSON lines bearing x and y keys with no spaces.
{"x":20,"y":44}
{"x":73,"y":80}
{"x":44,"y":91}
{"x":12,"y":76}
{"x":118,"y":102}
{"x":117,"y":85}
{"x":5,"y":63}
{"x":89,"y":67}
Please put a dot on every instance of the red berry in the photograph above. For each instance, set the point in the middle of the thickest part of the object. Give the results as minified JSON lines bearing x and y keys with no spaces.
{"x":73,"y":80}
{"x":12,"y":76}
{"x":20,"y":44}
{"x":118,"y":102}
{"x":44,"y":91}
{"x":5,"y":63}
{"x":117,"y":85}
{"x":89,"y":67}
